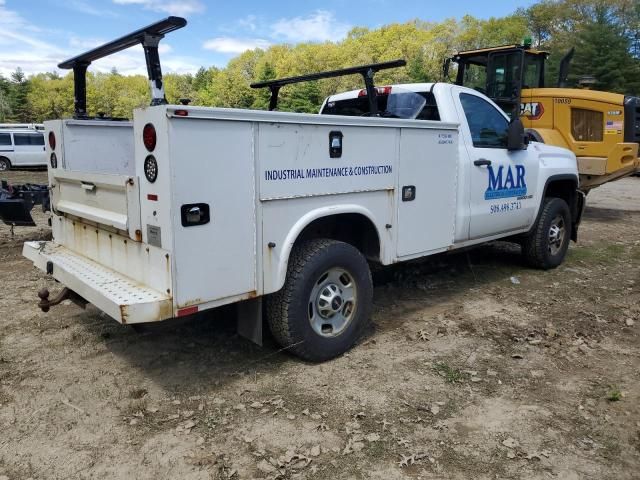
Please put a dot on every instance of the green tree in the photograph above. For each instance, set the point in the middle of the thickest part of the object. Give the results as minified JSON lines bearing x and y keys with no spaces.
{"x":18,"y":97}
{"x":5,"y":104}
{"x":262,"y":96}
{"x":603,"y":51}
{"x":304,"y":98}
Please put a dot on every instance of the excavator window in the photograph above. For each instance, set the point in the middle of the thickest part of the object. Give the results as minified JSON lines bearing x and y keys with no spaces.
{"x":504,"y":74}
{"x":533,"y":71}
{"x":586,"y":125}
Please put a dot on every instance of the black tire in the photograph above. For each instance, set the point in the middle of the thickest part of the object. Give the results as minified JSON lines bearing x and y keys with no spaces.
{"x":5,"y":164}
{"x":290,"y":310}
{"x":538,"y":248}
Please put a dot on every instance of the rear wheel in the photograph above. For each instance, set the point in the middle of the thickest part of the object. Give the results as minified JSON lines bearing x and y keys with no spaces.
{"x":546,"y":246}
{"x":325,"y":302}
{"x":4,"y":164}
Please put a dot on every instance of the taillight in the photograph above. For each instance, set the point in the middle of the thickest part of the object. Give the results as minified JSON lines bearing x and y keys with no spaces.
{"x":149,"y":137}
{"x":379,"y":91}
{"x":181,"y":113}
{"x":151,"y":168}
{"x":52,"y":140}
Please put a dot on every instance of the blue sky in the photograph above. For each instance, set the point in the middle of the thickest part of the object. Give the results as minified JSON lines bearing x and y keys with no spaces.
{"x":37,"y":34}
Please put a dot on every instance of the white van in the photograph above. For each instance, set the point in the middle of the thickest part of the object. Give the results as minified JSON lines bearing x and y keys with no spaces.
{"x":21,"y":145}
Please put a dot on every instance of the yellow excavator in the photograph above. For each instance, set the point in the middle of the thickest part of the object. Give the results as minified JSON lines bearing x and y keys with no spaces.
{"x":601,"y":128}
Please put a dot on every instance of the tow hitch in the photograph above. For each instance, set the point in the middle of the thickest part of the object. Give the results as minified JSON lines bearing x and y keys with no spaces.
{"x":65,"y":294}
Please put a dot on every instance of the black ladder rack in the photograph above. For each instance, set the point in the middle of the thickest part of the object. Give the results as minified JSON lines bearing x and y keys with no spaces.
{"x":367,"y":72}
{"x":149,"y":37}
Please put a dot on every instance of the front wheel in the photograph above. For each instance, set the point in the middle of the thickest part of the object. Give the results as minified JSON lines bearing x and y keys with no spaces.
{"x":325,"y":302}
{"x":547,"y":244}
{"x":4,"y":164}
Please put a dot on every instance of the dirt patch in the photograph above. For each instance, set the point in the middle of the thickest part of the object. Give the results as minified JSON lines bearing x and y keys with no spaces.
{"x":474,"y":367}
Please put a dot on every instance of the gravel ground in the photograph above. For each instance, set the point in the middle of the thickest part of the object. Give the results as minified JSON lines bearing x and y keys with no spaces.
{"x":474,"y":367}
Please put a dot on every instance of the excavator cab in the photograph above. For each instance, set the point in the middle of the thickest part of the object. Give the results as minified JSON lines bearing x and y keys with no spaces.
{"x":501,"y":73}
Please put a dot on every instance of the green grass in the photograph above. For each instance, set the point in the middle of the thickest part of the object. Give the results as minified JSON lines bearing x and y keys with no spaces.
{"x":614,"y":394}
{"x":602,"y":254}
{"x":450,"y":374}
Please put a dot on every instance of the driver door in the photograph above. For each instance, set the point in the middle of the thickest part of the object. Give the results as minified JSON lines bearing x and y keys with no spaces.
{"x":502,"y":182}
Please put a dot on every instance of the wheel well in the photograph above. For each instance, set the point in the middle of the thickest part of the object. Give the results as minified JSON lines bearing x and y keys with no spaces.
{"x":352,"y":228}
{"x":533,"y":135}
{"x":564,"y":188}
{"x":5,"y":158}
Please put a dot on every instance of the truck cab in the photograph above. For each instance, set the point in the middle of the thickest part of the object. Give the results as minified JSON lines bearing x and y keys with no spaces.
{"x":488,"y":172}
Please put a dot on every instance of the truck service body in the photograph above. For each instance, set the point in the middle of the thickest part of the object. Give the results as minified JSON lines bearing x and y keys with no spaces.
{"x":189,"y":208}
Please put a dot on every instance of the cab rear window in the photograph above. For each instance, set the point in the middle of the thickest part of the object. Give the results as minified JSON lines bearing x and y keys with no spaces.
{"x":359,"y":107}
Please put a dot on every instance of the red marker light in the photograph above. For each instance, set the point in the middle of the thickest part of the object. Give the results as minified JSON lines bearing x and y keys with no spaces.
{"x":152,"y":197}
{"x":183,"y":312}
{"x":149,"y":137}
{"x":181,"y":113}
{"x":379,"y":91}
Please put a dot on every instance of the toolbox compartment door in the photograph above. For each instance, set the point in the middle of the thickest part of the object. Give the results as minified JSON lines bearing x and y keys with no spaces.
{"x":111,"y":200}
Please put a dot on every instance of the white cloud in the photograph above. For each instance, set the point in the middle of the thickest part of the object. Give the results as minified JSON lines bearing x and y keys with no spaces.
{"x":131,"y":62}
{"x":317,"y":27}
{"x":172,"y":7}
{"x":23,"y":45}
{"x":88,"y":8}
{"x":235,"y":45}
{"x":20,"y":45}
{"x":249,"y":23}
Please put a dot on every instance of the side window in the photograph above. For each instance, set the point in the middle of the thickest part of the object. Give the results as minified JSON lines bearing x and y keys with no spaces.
{"x":489,"y":128}
{"x":586,"y":125}
{"x":37,"y":139}
{"x":5,"y":139}
{"x":21,"y":139}
{"x":28,"y":139}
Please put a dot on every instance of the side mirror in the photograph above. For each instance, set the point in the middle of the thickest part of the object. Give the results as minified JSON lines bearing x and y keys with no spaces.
{"x":516,"y":138}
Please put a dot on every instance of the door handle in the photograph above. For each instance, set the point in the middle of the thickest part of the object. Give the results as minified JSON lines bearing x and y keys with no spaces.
{"x":482,"y":162}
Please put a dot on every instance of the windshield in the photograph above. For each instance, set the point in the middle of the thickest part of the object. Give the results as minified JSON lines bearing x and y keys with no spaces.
{"x":400,"y":103}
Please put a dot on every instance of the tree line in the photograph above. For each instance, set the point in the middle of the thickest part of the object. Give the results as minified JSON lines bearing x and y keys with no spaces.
{"x":605,"y":34}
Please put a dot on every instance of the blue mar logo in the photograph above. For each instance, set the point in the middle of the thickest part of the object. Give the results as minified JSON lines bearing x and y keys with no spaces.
{"x":506,"y":186}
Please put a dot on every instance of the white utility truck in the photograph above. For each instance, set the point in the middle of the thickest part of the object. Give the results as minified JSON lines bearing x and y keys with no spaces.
{"x":189,"y":208}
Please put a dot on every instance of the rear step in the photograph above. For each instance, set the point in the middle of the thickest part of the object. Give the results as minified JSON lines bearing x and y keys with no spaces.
{"x":121,"y":297}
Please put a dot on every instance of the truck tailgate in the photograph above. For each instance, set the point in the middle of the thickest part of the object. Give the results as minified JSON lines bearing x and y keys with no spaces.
{"x":121,"y":297}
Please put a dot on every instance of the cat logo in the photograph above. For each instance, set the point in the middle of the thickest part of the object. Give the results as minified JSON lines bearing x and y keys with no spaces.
{"x":531,"y":110}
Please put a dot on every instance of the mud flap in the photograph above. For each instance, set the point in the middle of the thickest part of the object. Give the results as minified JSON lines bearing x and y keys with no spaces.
{"x":250,"y":320}
{"x":580,"y":203}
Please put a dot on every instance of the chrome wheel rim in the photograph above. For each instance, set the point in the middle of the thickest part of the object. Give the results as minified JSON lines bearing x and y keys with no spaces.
{"x":557,"y":232}
{"x":332,"y":303}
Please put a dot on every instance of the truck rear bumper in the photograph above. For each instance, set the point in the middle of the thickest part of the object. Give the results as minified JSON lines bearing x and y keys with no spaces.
{"x":122,"y":298}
